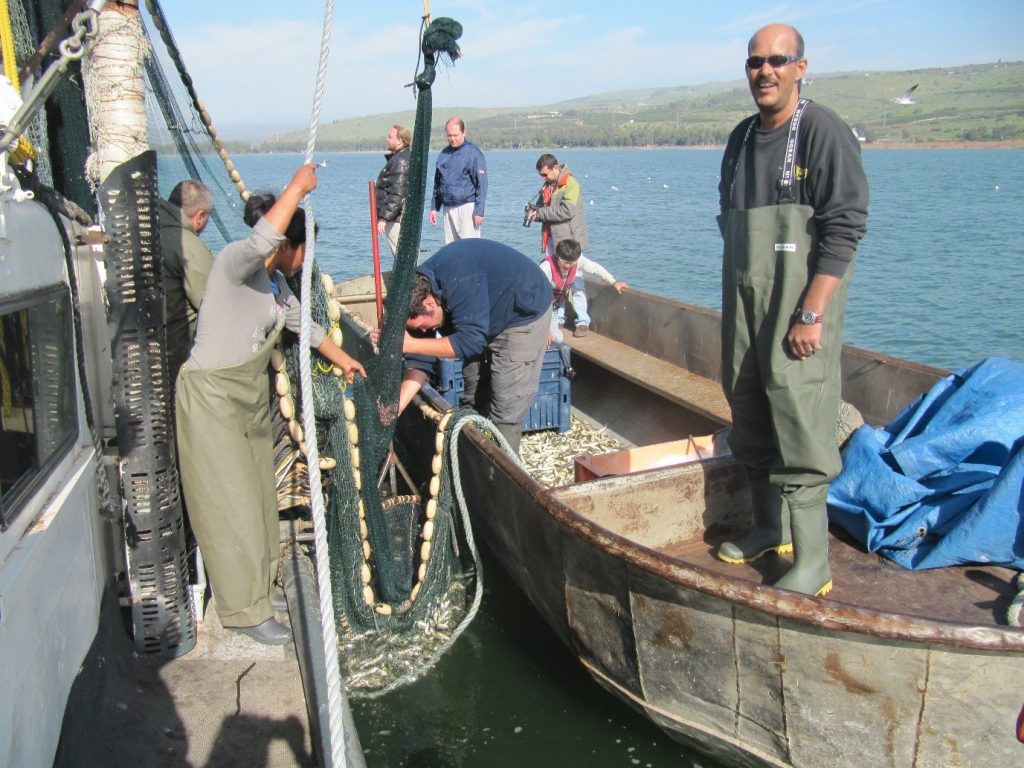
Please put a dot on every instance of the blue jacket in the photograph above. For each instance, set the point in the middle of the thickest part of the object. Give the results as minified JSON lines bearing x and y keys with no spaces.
{"x":484,"y":287}
{"x":461,"y":177}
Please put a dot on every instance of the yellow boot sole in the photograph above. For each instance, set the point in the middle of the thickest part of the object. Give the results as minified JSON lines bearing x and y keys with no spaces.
{"x":782,"y":549}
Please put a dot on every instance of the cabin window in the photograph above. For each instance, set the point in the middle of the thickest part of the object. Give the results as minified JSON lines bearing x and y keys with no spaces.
{"x":38,"y":413}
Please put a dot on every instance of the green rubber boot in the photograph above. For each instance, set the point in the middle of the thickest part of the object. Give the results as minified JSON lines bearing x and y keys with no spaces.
{"x":810,"y":573}
{"x":771,"y":530}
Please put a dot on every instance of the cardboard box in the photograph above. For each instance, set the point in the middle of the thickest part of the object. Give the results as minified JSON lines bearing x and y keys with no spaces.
{"x":630,"y":460}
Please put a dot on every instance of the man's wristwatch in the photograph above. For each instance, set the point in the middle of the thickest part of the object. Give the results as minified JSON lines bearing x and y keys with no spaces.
{"x":806,"y":317}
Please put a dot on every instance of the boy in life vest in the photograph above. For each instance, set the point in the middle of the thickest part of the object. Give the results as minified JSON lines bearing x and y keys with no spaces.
{"x":565,"y":269}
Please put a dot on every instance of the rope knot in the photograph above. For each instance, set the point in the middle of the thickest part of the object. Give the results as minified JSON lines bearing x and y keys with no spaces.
{"x":439,"y":43}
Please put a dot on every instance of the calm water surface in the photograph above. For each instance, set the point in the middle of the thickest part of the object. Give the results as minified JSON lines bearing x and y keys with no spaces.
{"x":938,"y":280}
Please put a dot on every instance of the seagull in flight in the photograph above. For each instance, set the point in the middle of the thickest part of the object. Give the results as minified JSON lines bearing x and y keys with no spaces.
{"x":907,"y":98}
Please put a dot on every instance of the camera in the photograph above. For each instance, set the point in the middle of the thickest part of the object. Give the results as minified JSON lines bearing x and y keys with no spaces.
{"x":527,"y":209}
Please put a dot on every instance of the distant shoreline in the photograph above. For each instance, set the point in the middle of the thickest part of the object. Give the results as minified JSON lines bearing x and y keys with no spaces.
{"x":1010,"y":144}
{"x":883,"y":145}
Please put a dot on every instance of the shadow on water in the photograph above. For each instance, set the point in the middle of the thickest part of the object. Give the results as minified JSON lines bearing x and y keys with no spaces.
{"x":509,"y":695}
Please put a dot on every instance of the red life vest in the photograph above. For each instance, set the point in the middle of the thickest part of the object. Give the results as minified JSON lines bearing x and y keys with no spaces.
{"x":560,"y":286}
{"x":546,"y":194}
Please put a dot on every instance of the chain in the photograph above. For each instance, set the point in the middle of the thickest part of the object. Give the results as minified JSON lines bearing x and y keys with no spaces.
{"x":85,"y":24}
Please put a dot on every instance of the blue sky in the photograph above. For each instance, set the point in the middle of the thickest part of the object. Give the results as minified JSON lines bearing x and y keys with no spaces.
{"x":255,"y":61}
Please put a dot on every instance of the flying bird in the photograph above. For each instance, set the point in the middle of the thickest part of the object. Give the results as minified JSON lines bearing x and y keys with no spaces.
{"x":907,"y":98}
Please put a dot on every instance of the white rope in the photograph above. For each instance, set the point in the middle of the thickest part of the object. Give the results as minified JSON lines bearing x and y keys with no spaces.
{"x":336,"y":702}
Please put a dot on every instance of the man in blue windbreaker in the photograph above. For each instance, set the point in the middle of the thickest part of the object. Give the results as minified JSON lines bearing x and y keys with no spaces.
{"x":460,"y":185}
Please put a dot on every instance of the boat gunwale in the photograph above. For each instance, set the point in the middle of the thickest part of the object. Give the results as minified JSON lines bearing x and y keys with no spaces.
{"x":819,"y":612}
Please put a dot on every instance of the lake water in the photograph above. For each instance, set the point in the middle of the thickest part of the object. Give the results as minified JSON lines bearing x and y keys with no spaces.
{"x":938,"y":277}
{"x":938,"y":280}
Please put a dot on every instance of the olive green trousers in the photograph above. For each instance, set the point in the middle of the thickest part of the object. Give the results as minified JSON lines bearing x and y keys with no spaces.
{"x":227,"y":472}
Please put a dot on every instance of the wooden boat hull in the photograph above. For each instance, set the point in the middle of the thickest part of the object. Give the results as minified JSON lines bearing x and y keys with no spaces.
{"x":738,"y":670}
{"x":622,"y":570}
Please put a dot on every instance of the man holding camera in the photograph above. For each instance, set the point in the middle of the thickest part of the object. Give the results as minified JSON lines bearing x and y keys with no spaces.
{"x":559,"y":208}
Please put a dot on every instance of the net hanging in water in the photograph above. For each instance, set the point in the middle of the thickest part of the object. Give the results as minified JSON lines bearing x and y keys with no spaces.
{"x":395,"y":558}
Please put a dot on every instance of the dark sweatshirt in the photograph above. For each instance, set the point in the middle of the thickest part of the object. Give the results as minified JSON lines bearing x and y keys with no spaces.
{"x":829,"y":178}
{"x":485,"y":287}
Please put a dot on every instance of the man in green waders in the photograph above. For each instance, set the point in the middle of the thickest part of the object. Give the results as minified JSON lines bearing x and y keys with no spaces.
{"x":794,"y":203}
{"x":225,"y":443}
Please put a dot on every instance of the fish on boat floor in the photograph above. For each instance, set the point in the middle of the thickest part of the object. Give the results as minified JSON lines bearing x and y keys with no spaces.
{"x":548,"y":455}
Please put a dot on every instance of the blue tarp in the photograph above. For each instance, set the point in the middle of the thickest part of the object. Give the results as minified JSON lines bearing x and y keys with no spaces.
{"x":942,"y":484}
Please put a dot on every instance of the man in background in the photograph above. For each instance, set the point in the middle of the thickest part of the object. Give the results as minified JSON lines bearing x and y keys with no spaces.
{"x":794,"y":205}
{"x":391,"y":185}
{"x":559,"y":208}
{"x":460,"y":185}
{"x":187,"y":262}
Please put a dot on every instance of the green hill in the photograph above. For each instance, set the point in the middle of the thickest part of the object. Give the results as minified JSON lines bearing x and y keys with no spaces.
{"x":980,"y":102}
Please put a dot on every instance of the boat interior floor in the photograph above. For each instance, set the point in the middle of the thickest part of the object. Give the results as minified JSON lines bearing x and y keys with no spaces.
{"x":970,"y":594}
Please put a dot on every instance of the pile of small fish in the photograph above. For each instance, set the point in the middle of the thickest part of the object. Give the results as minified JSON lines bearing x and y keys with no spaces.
{"x":548,"y":456}
{"x":376,"y":661}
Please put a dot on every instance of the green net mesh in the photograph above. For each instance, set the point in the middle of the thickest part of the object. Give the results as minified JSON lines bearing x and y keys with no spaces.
{"x":401,"y":573}
{"x":395,"y":558}
{"x":59,"y":133}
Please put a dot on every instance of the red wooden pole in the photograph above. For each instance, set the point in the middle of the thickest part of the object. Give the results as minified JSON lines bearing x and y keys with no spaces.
{"x":376,"y":255}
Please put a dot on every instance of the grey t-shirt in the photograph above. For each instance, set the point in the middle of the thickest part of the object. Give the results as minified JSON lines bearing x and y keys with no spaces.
{"x":240,"y":308}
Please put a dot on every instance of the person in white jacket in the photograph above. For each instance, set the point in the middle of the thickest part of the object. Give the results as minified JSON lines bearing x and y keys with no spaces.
{"x":565,"y":269}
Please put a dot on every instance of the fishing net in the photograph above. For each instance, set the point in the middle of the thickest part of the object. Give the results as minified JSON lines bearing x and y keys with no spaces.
{"x":59,"y":133}
{"x":399,"y":583}
{"x":401,"y":569}
{"x":182,"y":133}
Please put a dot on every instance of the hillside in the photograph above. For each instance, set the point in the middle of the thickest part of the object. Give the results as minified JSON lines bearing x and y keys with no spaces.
{"x":979,"y":103}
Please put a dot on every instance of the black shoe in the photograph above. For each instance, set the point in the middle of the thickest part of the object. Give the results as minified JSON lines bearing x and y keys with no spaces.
{"x":278,"y":602}
{"x":270,"y":632}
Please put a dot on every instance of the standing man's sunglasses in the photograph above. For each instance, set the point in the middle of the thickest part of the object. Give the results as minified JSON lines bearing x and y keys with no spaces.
{"x":776,"y":61}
